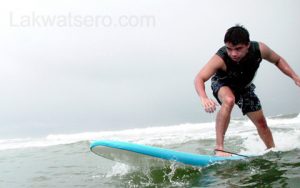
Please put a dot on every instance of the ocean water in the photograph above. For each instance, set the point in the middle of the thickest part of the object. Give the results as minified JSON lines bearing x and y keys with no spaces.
{"x":66,"y":161}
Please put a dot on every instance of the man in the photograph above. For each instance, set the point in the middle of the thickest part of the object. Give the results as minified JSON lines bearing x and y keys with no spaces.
{"x":232,"y":70}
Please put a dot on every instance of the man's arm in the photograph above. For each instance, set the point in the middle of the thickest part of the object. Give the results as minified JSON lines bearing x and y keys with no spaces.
{"x":271,"y":56}
{"x":205,"y":73}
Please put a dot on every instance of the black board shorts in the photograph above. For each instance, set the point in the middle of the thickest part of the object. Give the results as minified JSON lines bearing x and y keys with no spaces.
{"x":246,"y":99}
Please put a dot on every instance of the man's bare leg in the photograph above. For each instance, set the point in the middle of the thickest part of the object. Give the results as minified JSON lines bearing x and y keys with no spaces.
{"x":223,"y":117}
{"x":264,"y":132}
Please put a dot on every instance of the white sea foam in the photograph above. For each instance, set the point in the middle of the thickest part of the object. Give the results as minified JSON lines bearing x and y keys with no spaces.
{"x":286,"y":133}
{"x":118,"y":169}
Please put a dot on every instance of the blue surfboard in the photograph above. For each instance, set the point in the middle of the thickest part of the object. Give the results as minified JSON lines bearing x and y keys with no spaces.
{"x":135,"y":154}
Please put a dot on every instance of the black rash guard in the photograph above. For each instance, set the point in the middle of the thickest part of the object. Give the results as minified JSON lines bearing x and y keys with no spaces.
{"x":239,"y":76}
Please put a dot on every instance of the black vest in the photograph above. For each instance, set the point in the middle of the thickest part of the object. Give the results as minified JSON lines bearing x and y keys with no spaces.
{"x":239,"y":75}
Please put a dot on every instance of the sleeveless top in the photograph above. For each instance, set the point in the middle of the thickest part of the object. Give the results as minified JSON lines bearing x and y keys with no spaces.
{"x":239,"y":75}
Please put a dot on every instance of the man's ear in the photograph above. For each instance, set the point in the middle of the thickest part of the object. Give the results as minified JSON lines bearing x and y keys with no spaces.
{"x":248,"y":45}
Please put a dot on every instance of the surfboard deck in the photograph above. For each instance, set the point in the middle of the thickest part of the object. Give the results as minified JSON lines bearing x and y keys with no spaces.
{"x":135,"y":154}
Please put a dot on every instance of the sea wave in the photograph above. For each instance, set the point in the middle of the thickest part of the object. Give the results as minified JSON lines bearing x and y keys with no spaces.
{"x":286,"y":133}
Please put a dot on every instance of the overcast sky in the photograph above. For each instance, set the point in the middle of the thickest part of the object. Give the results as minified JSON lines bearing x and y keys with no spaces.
{"x":75,"y":66}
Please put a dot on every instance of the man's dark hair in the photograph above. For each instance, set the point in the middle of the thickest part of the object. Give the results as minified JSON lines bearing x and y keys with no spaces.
{"x":237,"y":35}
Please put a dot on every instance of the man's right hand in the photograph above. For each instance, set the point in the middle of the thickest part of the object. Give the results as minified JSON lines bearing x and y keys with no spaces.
{"x":209,"y":105}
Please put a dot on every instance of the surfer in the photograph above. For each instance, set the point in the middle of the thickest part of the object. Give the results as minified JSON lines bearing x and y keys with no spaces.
{"x":232,"y":70}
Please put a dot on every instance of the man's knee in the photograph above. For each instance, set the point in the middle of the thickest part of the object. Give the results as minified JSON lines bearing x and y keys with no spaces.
{"x":228,"y":101}
{"x":227,"y":97}
{"x":261,"y":124}
{"x":258,"y":119}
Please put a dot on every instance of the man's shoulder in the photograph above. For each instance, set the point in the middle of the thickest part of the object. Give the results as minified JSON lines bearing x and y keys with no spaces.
{"x":254,"y":44}
{"x":222,"y":52}
{"x":255,"y":47}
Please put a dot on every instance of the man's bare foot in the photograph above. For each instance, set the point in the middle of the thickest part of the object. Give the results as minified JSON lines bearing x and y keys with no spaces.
{"x":222,"y":154}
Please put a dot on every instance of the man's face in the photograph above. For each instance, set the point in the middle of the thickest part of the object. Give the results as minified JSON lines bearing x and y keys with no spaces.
{"x":236,"y":52}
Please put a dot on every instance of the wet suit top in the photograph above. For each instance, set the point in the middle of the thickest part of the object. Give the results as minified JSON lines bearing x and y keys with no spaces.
{"x":239,"y":76}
